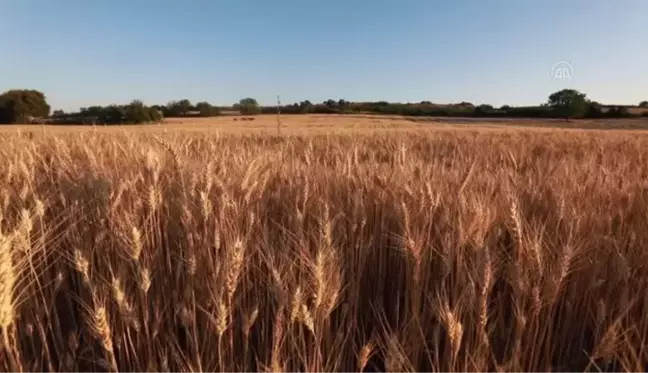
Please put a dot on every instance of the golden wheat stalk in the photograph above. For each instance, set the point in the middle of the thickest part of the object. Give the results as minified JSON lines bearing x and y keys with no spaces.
{"x":136,"y":244}
{"x":454,"y":328}
{"x":235,"y":264}
{"x":364,"y":355}
{"x":100,"y":327}
{"x":8,"y":279}
{"x":82,"y":265}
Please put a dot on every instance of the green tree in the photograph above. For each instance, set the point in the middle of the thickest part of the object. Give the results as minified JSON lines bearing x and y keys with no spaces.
{"x":93,"y":111}
{"x":568,"y":103}
{"x":202,"y":106}
{"x":22,"y":105}
{"x":330,"y":103}
{"x":155,"y":114}
{"x":248,"y":106}
{"x":483,"y":109}
{"x":137,"y":112}
{"x":465,"y":104}
{"x":184,"y":106}
{"x":207,"y":110}
{"x":178,"y":108}
{"x":594,"y":109}
{"x":171,"y":109}
{"x":306,"y":107}
{"x":114,"y":114}
{"x":643,"y":104}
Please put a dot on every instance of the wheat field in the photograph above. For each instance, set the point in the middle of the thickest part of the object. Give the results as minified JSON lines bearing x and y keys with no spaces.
{"x":418,"y":249}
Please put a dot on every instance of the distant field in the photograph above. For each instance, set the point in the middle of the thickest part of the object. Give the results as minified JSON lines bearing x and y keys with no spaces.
{"x":300,"y":124}
{"x":235,"y":124}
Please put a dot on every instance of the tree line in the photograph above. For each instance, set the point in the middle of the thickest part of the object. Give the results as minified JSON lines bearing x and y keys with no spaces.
{"x":30,"y":106}
{"x":135,"y":112}
{"x":567,"y":104}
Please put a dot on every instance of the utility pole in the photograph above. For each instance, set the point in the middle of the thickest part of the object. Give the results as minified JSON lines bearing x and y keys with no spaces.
{"x":278,"y":116}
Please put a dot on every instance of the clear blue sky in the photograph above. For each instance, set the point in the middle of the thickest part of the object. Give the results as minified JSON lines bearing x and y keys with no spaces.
{"x":83,"y":52}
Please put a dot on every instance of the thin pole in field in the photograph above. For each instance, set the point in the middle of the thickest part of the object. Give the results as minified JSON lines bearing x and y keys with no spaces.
{"x":278,"y":115}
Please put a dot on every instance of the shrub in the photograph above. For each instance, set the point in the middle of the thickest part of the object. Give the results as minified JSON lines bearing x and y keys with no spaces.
{"x":22,"y":105}
{"x":248,"y":106}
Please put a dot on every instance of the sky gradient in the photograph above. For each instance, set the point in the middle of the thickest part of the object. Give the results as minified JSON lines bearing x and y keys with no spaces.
{"x":85,"y":52}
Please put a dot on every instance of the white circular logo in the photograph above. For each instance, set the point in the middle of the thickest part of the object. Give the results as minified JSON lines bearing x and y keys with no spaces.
{"x":562,"y":70}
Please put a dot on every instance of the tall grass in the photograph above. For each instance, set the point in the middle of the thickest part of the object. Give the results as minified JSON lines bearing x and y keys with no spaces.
{"x":467,"y":250}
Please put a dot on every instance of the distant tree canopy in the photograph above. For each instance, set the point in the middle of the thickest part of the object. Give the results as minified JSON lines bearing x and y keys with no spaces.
{"x":205,"y":109}
{"x":568,"y":103}
{"x":643,"y":104}
{"x":178,"y":108}
{"x":22,"y":106}
{"x":136,"y":112}
{"x":248,"y":106}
